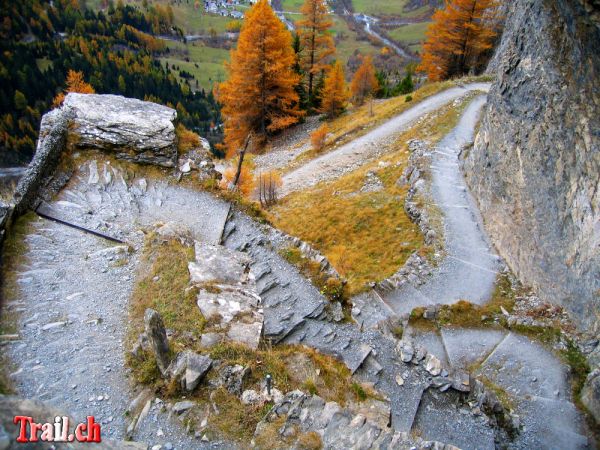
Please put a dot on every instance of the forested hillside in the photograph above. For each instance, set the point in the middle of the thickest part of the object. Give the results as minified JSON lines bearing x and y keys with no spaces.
{"x":41,"y":41}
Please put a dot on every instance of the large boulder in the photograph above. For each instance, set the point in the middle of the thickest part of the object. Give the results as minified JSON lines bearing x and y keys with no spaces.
{"x":135,"y":130}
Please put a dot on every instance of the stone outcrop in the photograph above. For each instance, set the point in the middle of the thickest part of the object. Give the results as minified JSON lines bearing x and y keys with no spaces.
{"x":135,"y":130}
{"x":535,"y":165}
{"x":335,"y":427}
{"x":157,"y":337}
{"x":227,"y":295}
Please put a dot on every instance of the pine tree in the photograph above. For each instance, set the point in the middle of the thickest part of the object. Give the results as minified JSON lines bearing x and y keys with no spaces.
{"x":364,"y":84}
{"x":259,"y":96}
{"x":335,"y":92}
{"x":457,"y":38}
{"x":75,"y":83}
{"x":316,"y":42}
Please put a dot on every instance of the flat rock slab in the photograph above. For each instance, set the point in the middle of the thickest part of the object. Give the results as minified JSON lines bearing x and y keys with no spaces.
{"x":217,"y":264}
{"x":466,"y":432}
{"x":524,"y":367}
{"x":466,"y":346}
{"x":109,"y":197}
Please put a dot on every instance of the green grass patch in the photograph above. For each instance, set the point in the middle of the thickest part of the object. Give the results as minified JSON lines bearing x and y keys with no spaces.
{"x":386,"y":8}
{"x":411,"y":35}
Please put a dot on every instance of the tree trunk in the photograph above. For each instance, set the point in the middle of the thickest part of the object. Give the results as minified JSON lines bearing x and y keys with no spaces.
{"x":236,"y":180}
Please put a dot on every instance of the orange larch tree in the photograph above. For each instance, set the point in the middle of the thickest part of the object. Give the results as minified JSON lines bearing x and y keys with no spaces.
{"x":334,"y":98}
{"x":316,"y":43}
{"x":458,"y":37}
{"x":258,"y":97}
{"x":364,"y":83}
{"x":75,"y":83}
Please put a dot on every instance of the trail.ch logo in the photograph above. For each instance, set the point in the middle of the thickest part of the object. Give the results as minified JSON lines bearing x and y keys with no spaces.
{"x":29,"y":431}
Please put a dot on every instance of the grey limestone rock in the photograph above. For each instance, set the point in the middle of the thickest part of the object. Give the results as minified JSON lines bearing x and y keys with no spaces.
{"x":135,"y":130}
{"x":535,"y":165}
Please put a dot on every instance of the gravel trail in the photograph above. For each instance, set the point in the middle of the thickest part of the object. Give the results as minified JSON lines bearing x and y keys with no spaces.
{"x":470,"y":267}
{"x":352,"y":155}
{"x":534,"y":377}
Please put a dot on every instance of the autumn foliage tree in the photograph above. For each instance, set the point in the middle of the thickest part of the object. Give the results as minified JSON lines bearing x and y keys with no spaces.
{"x":364,"y":83}
{"x":334,"y":97}
{"x":259,"y":96}
{"x":316,"y":44}
{"x":75,"y":83}
{"x":458,"y":37}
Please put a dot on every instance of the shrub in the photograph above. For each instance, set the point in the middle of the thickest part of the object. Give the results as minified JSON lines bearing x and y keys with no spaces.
{"x":246,"y":182}
{"x":408,"y":98}
{"x":268,"y":188}
{"x":186,"y":139}
{"x":318,"y":137}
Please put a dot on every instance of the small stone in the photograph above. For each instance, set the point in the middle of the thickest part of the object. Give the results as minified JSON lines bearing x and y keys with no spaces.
{"x":406,"y":351}
{"x":53,"y":325}
{"x":433,"y":365}
{"x":183,"y":406}
{"x":160,"y":433}
{"x":399,"y":380}
{"x":157,"y":447}
{"x":251,"y":397}
{"x":168,"y":446}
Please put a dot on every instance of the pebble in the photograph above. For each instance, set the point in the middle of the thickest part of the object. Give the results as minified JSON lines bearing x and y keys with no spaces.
{"x":399,"y":380}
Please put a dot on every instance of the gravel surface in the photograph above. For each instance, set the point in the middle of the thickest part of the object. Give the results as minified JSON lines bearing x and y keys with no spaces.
{"x":74,"y":289}
{"x":354,"y":154}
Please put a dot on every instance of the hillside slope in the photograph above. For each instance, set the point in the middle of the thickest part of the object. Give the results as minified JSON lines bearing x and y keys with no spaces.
{"x":535,"y":165}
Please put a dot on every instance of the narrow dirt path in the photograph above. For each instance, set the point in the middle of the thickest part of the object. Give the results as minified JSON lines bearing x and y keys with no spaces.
{"x":74,"y":290}
{"x":470,"y":267}
{"x":354,"y":154}
{"x":534,"y":377}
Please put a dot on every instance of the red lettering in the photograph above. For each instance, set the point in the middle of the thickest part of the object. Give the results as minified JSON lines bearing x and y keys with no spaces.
{"x":34,"y":429}
{"x":24,"y":420}
{"x":79,"y":430}
{"x":93,"y":430}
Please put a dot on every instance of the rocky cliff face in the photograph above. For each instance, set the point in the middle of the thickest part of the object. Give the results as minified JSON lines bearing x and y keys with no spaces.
{"x":535,"y":165}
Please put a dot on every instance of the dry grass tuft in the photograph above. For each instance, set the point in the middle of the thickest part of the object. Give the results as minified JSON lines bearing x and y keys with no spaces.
{"x":163,"y":284}
{"x":235,"y":420}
